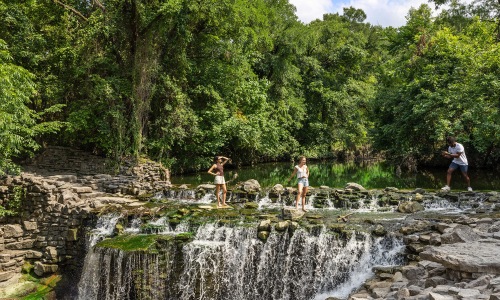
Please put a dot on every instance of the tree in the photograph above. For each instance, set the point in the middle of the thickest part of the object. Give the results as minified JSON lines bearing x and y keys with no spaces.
{"x":18,"y":123}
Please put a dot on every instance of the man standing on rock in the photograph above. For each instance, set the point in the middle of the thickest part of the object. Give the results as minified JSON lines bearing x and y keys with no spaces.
{"x":457,"y":152}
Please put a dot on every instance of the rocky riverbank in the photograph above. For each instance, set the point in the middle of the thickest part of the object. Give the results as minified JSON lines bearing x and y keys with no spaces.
{"x":452,"y":258}
{"x":452,"y":238}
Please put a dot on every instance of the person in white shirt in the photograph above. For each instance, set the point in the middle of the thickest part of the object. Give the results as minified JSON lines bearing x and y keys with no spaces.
{"x":457,"y":152}
{"x":302,"y":172}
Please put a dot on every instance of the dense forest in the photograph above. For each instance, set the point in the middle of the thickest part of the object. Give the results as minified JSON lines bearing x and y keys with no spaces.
{"x":179,"y":81}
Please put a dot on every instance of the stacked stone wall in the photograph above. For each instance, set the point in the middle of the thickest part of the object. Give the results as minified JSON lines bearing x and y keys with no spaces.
{"x":47,"y":227}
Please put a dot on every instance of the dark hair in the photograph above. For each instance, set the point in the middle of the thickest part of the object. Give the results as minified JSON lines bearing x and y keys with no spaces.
{"x":450,"y":140}
{"x":216,"y":158}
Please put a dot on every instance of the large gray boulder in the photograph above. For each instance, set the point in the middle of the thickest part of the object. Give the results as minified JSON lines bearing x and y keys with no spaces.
{"x":460,"y":234}
{"x":355,"y":186}
{"x":410,"y":207}
{"x":474,"y":256}
{"x":250,"y":186}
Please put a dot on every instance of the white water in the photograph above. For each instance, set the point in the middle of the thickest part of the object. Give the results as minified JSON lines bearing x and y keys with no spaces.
{"x":231,"y":263}
{"x":134,"y":227}
{"x":105,"y":227}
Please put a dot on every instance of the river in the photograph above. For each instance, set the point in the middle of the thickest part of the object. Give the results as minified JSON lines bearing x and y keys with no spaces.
{"x":371,"y":175}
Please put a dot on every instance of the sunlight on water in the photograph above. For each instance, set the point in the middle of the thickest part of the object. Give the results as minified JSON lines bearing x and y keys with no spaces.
{"x":105,"y":226}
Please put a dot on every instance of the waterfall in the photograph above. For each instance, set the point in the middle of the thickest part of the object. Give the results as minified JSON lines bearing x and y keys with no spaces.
{"x":231,"y":263}
{"x":105,"y":227}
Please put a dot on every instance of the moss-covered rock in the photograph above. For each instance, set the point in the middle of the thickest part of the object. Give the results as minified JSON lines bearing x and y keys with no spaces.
{"x":141,"y":242}
{"x":263,"y":235}
{"x":251,"y":205}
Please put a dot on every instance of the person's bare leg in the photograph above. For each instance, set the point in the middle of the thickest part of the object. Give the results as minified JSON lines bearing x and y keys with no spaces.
{"x":304,"y":193}
{"x":217,"y":190}
{"x":224,"y":191}
{"x":467,"y":179}
{"x":448,"y":176}
{"x":299,"y":192}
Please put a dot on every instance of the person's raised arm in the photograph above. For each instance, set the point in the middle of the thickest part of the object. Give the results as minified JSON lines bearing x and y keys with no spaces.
{"x":226,"y":159}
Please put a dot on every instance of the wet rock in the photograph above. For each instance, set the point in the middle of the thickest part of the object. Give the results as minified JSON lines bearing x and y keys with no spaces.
{"x":263,"y":235}
{"x":292,"y":214}
{"x":249,"y":186}
{"x":264,"y":225}
{"x":379,"y":230}
{"x":282,"y":226}
{"x":251,"y":205}
{"x":410,"y":207}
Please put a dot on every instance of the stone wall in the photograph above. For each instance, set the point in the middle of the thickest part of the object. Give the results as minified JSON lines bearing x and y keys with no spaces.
{"x":55,"y":208}
{"x":69,"y":160}
{"x":47,"y":231}
{"x":64,"y":160}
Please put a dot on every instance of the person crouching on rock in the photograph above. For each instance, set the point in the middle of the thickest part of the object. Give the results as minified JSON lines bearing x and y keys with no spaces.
{"x":302,"y":172}
{"x":218,"y":167}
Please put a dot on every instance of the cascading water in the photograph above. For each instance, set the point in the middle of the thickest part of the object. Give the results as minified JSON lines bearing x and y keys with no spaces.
{"x":231,"y":263}
{"x":105,"y":227}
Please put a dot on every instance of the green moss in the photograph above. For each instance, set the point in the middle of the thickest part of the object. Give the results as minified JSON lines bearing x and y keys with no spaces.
{"x":139,"y":242}
{"x":38,"y":289}
{"x":144,"y":197}
{"x":142,"y":242}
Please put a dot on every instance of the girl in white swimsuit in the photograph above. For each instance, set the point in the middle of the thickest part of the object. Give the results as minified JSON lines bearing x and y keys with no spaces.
{"x":302,"y":172}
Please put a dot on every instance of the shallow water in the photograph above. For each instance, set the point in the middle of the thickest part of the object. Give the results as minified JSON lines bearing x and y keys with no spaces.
{"x":336,"y":175}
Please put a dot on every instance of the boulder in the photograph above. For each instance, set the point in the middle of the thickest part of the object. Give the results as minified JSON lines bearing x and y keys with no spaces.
{"x":265,"y":225}
{"x":250,"y":186}
{"x":278,"y":188}
{"x":41,"y":269}
{"x":282,"y":226}
{"x":473,"y":257}
{"x":354,"y":186}
{"x":292,"y":214}
{"x":410,"y":207}
{"x":460,"y":234}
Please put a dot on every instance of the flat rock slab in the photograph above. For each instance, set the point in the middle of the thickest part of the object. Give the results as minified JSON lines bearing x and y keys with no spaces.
{"x":206,"y":206}
{"x":117,"y":200}
{"x":474,"y":257}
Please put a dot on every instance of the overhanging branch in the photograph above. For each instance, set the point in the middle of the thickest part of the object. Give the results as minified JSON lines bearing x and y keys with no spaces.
{"x":72,"y":9}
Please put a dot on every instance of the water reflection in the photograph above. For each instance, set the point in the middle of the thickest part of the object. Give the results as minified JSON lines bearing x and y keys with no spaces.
{"x":334,"y":174}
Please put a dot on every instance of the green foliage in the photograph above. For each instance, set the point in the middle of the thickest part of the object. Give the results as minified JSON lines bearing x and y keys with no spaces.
{"x":438,"y":89}
{"x":180,"y":81}
{"x":13,"y":206}
{"x":18,"y":123}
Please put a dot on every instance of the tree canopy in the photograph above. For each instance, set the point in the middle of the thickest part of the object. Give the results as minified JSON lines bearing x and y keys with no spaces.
{"x":180,"y":81}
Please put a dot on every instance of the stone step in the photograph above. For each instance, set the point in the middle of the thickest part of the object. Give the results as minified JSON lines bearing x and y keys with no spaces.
{"x":92,"y":195}
{"x":4,"y":276}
